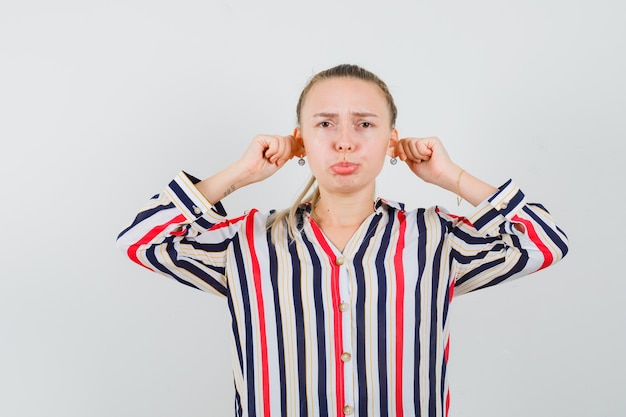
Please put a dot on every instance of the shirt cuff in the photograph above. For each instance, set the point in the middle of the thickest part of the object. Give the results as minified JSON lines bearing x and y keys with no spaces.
{"x":192,"y":203}
{"x":503,"y":205}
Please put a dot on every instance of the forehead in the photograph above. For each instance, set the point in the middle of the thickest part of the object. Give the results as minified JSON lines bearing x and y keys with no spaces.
{"x":344,"y":93}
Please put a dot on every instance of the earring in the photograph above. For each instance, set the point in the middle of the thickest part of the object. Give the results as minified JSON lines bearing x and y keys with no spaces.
{"x":301,"y":161}
{"x":393,"y":160}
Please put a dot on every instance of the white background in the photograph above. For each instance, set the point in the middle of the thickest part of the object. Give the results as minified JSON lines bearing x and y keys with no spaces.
{"x":103,"y":102}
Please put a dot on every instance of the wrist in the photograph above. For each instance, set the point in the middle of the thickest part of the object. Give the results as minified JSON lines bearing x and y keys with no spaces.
{"x":224,"y":183}
{"x":240,"y":174}
{"x":451,"y":179}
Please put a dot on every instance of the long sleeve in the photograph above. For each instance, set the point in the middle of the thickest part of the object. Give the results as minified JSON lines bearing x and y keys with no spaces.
{"x":178,"y":233}
{"x":505,"y":238}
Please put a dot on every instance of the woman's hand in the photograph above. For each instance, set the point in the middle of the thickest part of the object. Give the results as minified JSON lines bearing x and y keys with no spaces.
{"x":263,"y":157}
{"x":266,"y":155}
{"x":428,"y":159}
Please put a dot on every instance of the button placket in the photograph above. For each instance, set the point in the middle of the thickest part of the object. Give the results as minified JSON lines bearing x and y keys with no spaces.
{"x":344,"y":308}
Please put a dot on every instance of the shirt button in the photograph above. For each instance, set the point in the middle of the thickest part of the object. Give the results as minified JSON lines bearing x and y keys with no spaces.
{"x":347,"y":410}
{"x":345,"y":356}
{"x":503,"y":206}
{"x":339,"y":260}
{"x":344,"y":306}
{"x":197,"y":210}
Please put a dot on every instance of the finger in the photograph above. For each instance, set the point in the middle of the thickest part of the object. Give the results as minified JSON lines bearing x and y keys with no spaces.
{"x":287,"y":149}
{"x":280,"y":150}
{"x":399,"y":151}
{"x":284,"y":150}
{"x":425,"y":148}
{"x":422,"y":150}
{"x":271,"y":149}
{"x":294,"y":147}
{"x":412,"y":151}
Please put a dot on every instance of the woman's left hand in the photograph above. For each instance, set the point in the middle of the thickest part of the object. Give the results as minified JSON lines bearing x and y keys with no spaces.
{"x":428,"y":159}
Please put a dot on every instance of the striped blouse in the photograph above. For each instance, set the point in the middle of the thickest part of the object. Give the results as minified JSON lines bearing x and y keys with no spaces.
{"x":322,"y":332}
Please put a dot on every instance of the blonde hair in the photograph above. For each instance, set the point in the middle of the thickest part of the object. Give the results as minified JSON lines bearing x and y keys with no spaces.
{"x":311,"y":193}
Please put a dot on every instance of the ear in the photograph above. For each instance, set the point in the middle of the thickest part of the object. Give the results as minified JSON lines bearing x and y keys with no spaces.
{"x":393,"y":141}
{"x":297,"y":135}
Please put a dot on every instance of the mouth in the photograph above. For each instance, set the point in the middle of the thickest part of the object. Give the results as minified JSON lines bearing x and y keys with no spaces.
{"x":344,"y":168}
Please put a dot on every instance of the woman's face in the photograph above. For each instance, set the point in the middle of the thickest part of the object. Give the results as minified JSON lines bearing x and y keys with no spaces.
{"x":345,"y":128}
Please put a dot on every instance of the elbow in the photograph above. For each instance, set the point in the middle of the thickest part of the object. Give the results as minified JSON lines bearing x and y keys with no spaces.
{"x":559,"y":249}
{"x":564,"y":246}
{"x":122,"y":242}
{"x":130,"y":247}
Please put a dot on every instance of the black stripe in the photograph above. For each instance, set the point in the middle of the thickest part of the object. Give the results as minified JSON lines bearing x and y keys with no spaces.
{"x":500,"y":189}
{"x":182,"y":195}
{"x":513,"y":203}
{"x":360,"y":279}
{"x":554,"y":237}
{"x":195,"y":270}
{"x":434,"y":325}
{"x":464,"y":260}
{"x":238,"y":349}
{"x":518,"y":267}
{"x":383,"y":372}
{"x":300,"y":336}
{"x":235,"y":330}
{"x":273,"y":265}
{"x":249,"y":340}
{"x":143,"y":215}
{"x":150,"y":255}
{"x":472,"y":239}
{"x":238,"y":409}
{"x":422,"y":238}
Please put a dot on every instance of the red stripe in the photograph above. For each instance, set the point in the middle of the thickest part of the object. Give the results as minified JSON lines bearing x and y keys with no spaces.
{"x":446,"y":354}
{"x":148,"y":237}
{"x":337,"y":322}
{"x":256,"y":274}
{"x":532,"y":234}
{"x":451,"y":290}
{"x":446,"y":351}
{"x":399,"y":272}
{"x":454,"y":216}
{"x":227,"y":222}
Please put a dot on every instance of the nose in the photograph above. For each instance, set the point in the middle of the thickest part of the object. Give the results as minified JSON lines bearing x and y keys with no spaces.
{"x":344,"y":146}
{"x":344,"y":141}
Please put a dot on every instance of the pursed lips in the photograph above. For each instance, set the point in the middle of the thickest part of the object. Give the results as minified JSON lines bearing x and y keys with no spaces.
{"x":344,"y":168}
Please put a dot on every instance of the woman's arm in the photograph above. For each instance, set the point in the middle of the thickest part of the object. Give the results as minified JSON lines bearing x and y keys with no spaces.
{"x":183,"y":232}
{"x":505,"y":238}
{"x":264,"y":156}
{"x":429,"y":160}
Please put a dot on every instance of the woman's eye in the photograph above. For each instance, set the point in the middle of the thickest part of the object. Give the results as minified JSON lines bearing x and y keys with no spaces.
{"x":366,"y":124}
{"x":325,"y":124}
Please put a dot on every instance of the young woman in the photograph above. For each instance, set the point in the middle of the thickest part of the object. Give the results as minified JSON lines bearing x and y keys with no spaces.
{"x":340,"y":304}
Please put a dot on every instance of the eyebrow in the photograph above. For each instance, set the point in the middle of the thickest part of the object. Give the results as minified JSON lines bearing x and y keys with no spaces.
{"x":356,"y":113}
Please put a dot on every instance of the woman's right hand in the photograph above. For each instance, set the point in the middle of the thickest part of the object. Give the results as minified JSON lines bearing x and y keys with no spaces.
{"x":263,"y":157}
{"x":266,"y":154}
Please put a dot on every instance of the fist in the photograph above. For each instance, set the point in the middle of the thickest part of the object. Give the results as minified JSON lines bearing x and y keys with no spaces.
{"x":426,"y":157}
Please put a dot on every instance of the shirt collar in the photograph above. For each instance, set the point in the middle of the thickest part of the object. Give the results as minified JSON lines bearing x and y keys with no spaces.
{"x":381,"y":204}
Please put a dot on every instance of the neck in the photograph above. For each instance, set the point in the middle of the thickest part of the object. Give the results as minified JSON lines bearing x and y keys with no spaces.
{"x":344,"y":210}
